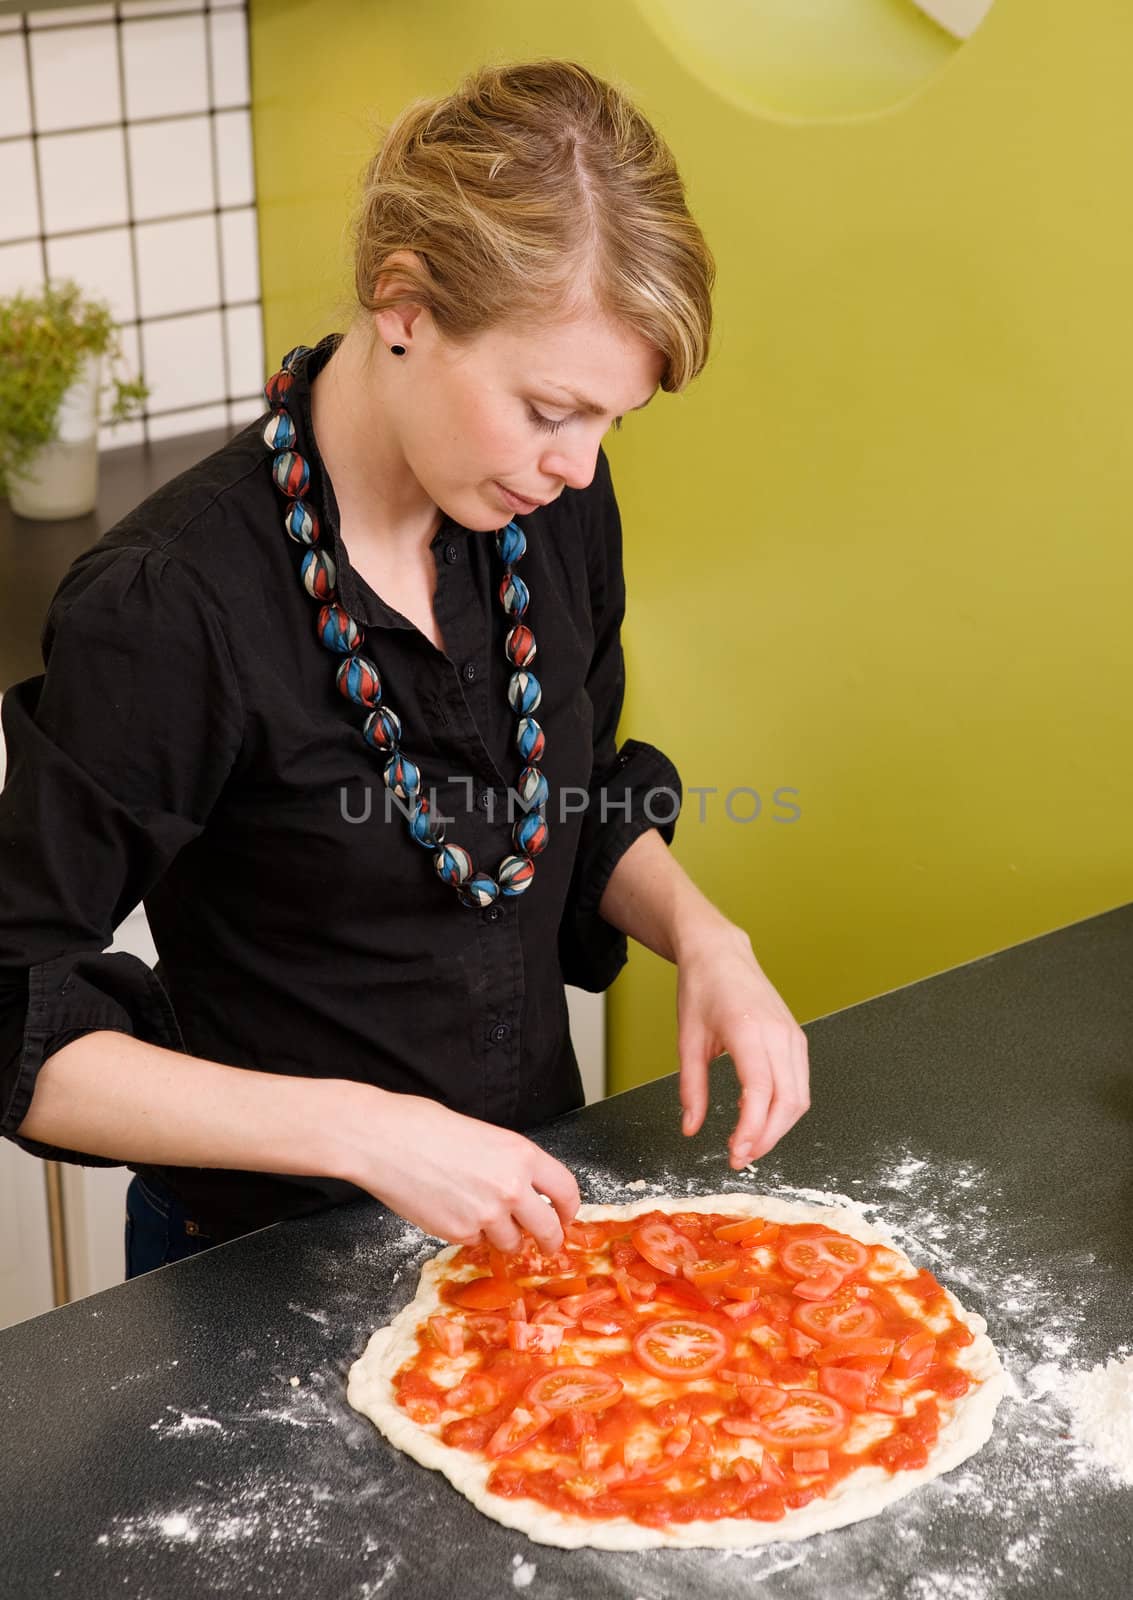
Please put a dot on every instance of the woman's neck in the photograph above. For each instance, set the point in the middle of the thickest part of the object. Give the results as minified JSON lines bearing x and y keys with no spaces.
{"x":382,"y":507}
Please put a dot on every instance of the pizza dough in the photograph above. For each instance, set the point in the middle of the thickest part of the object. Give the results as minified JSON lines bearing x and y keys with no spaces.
{"x":966,"y":1425}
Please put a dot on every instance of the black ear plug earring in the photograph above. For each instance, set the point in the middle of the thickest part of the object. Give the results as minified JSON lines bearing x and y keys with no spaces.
{"x":397,"y":349}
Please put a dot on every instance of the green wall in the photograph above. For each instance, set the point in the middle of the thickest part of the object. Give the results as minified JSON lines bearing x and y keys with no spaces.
{"x":880,"y":551}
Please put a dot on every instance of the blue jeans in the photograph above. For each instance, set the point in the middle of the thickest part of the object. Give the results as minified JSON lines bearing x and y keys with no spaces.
{"x":158,"y":1228}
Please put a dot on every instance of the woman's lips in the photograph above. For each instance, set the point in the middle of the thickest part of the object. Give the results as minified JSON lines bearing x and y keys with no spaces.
{"x":517,"y":501}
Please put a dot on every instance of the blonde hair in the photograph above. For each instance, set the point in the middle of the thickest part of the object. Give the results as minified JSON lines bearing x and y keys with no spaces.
{"x":533,"y":191}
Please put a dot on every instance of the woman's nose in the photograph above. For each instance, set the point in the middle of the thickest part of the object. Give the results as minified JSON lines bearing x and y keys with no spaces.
{"x":576,"y":467}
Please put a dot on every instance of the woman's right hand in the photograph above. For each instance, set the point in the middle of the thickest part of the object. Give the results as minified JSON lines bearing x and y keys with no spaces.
{"x":458,"y":1178}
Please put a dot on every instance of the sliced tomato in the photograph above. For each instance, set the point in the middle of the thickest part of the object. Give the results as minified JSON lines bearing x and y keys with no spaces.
{"x":820,"y":1285}
{"x":485,"y":1294}
{"x":664,"y":1248}
{"x":559,"y":1288}
{"x":448,"y":1335}
{"x":802,"y":1258}
{"x":708,"y":1274}
{"x":845,"y":1384}
{"x":518,"y":1429}
{"x":808,"y":1421}
{"x":810,"y":1460}
{"x":914,"y":1354}
{"x":541,"y":1338}
{"x":843,"y":1316}
{"x":680,"y":1348}
{"x":587,"y":1388}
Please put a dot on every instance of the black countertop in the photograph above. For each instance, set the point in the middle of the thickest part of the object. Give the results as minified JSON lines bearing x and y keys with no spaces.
{"x":154,"y":1446}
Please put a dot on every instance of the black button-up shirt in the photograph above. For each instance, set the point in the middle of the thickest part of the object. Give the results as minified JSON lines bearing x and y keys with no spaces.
{"x":186,"y":747}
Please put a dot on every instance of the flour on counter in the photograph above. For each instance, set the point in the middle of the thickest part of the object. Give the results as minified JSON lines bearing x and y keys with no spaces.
{"x":523,"y":1572}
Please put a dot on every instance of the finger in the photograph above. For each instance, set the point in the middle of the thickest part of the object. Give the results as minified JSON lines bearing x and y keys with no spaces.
{"x":789,"y":1099}
{"x":540,"y":1220}
{"x":692,"y":1047}
{"x":504,"y":1234}
{"x":558,"y":1184}
{"x":754,"y":1070}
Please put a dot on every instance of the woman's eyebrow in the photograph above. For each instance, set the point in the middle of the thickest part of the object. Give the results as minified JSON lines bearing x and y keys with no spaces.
{"x":589,"y":405}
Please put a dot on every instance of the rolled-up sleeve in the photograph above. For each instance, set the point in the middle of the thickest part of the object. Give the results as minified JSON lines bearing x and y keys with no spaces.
{"x":632,"y":788}
{"x":116,"y":756}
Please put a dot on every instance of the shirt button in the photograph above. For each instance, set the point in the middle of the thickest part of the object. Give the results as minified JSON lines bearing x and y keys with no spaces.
{"x":485,"y":800}
{"x":469,"y":672}
{"x":500,"y":1032}
{"x":452,"y":554}
{"x":493,"y":913}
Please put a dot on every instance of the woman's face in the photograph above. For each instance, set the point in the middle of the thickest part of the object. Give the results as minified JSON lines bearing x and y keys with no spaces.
{"x":508,"y":409}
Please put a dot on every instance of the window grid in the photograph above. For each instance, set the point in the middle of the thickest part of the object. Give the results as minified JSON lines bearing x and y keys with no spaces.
{"x":236,"y":404}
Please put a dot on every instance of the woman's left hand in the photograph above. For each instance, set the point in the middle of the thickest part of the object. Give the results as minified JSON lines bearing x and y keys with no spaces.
{"x":726,"y":1003}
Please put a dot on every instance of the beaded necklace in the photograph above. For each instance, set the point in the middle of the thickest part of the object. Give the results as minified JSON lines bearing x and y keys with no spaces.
{"x":358,"y":680}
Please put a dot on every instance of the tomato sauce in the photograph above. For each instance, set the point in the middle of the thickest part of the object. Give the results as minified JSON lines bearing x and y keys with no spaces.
{"x":708,"y":1414}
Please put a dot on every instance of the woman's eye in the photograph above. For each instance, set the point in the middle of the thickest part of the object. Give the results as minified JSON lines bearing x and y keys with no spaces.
{"x":546,"y":423}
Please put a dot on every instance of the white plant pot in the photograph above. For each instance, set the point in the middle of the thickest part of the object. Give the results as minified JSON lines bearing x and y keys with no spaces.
{"x":61,"y":479}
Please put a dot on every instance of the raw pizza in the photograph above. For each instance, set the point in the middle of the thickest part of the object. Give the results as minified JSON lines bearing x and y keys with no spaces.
{"x":727,"y":1371}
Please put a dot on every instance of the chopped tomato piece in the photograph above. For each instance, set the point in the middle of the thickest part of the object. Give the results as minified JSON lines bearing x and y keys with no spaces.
{"x":850,"y":1387}
{"x":518,"y":1429}
{"x":559,"y":1288}
{"x":765,"y":1505}
{"x":678,"y":1442}
{"x":770,"y":1471}
{"x":820,"y":1286}
{"x":957,"y":1338}
{"x":744,"y":1470}
{"x":925,"y":1425}
{"x":900,"y":1453}
{"x":499,"y":1263}
{"x":679,"y":1292}
{"x":663,"y":1247}
{"x":742,"y":1289}
{"x":886,"y":1400}
{"x":948,"y":1381}
{"x":468,"y":1433}
{"x":914,"y":1354}
{"x":555,"y":1314}
{"x":584,"y":1235}
{"x":742,"y":1427}
{"x":602,"y":1325}
{"x":845,"y":1316}
{"x":577,"y":1305}
{"x":810,"y":1460}
{"x":680,"y":1348}
{"x":491,"y":1331}
{"x":803,"y":1258}
{"x":736,"y":1232}
{"x":708,"y":1274}
{"x":875,"y":1353}
{"x":739,"y":1310}
{"x":475,"y":1393}
{"x":790,"y":1373}
{"x":448,"y":1335}
{"x":763,"y":1398}
{"x":541,"y":1338}
{"x":809,"y":1420}
{"x":563,"y":1388}
{"x":517,"y":1311}
{"x":801,"y":1345}
{"x":590,"y":1454}
{"x":485,"y":1294}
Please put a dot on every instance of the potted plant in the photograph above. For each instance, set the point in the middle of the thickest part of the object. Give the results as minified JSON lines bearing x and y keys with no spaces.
{"x":53,"y":346}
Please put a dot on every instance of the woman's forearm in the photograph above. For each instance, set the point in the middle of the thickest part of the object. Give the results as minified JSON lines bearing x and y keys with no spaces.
{"x":651,"y":898}
{"x":108,"y":1094}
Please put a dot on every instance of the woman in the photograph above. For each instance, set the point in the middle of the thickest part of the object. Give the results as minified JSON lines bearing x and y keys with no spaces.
{"x":288,"y":700}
